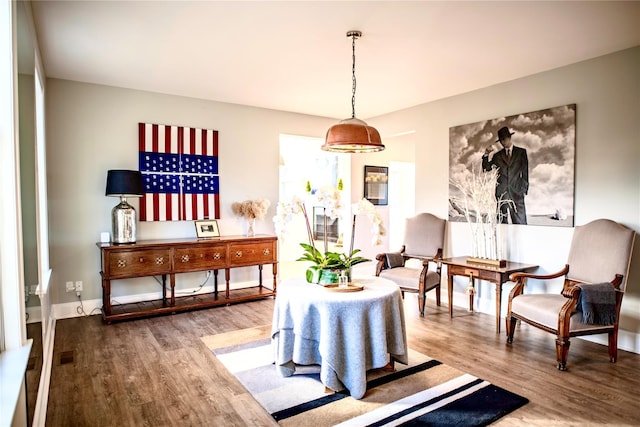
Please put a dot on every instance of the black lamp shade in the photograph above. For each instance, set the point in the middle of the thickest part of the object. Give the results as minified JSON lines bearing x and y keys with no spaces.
{"x":124,"y":183}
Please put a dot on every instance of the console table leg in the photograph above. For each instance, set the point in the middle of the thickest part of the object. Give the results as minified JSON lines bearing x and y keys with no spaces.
{"x":173,"y":289}
{"x":227,"y":278}
{"x":164,"y":290}
{"x":275,"y":276}
{"x":215,"y":282}
{"x":106,"y":297}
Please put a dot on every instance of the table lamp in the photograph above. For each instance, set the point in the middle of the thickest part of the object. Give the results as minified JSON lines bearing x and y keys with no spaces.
{"x":123,"y":184}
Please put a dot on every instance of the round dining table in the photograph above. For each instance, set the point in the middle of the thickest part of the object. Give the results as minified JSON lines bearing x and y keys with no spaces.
{"x":345,"y":331}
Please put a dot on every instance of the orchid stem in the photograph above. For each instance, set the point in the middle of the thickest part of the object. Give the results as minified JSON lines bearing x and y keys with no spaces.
{"x":306,"y":220}
{"x":326,"y":225}
{"x":353,"y":235}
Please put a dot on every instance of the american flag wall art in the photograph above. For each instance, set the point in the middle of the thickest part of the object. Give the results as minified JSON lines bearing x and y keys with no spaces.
{"x":179,"y":167}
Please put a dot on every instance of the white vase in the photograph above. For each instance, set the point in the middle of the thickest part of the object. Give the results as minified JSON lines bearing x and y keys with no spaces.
{"x":251,"y":227}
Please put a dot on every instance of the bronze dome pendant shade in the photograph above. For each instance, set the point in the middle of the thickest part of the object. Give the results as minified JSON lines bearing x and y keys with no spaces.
{"x":353,"y":135}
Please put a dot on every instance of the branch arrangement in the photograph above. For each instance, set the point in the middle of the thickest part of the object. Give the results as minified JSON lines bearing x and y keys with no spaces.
{"x":481,"y":209}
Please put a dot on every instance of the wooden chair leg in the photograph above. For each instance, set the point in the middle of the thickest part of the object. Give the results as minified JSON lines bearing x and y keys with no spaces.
{"x":613,"y":346}
{"x":511,"y":328}
{"x":562,"y":351}
{"x":438,"y":296}
{"x":421,"y":303}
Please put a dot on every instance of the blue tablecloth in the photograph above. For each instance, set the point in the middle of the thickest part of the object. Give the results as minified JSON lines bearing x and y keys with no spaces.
{"x":346,"y":333}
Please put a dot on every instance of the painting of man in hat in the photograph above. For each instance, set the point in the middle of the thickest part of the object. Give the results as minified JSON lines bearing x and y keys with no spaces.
{"x":533,"y":156}
{"x":512,"y":165}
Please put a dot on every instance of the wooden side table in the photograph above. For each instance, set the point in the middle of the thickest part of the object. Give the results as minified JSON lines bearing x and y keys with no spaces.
{"x":460,"y":266}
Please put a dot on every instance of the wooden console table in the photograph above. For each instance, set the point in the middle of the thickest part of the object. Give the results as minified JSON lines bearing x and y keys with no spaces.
{"x":169,"y":257}
{"x":459,"y":266}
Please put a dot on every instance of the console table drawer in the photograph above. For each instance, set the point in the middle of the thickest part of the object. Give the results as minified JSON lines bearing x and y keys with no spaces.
{"x":251,"y":254}
{"x":139,"y":263}
{"x":198,"y":259}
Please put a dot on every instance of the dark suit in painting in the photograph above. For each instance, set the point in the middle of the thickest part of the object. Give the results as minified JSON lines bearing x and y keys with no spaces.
{"x":513,"y":182}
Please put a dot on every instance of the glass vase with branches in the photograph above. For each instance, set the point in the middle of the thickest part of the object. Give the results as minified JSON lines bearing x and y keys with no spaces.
{"x":477,"y":201}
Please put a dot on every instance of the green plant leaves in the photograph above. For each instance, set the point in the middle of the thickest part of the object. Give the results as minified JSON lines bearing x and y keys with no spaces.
{"x":330,"y":260}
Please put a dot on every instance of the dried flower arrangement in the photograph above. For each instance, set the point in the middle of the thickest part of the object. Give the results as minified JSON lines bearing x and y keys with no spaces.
{"x":251,"y":209}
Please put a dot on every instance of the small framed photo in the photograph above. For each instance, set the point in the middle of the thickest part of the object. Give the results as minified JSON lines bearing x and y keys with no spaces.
{"x":206,"y":228}
{"x":376,"y":180}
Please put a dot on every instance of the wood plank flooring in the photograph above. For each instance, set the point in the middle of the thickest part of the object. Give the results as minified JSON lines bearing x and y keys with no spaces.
{"x":157,"y":371}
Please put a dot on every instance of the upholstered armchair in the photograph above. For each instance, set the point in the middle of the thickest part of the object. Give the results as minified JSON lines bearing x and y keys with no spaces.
{"x":594,"y":283}
{"x":423,"y":241}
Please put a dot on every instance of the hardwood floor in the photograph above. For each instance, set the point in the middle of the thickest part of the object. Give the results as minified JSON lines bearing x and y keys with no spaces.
{"x":157,"y":371}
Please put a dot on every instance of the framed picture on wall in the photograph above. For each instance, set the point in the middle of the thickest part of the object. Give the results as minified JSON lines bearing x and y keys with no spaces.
{"x":538,"y":179}
{"x":376,"y":189}
{"x":207,"y":228}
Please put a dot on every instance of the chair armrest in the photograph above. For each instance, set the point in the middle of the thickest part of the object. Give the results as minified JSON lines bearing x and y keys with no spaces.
{"x":435,"y":259}
{"x":514,"y":277}
{"x":382,"y":259}
{"x":380,"y":265}
{"x":521,"y":278}
{"x":568,"y":308}
{"x":572,"y":293}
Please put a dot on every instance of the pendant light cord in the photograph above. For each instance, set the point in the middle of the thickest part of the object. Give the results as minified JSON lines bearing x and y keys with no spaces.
{"x":353,"y":76}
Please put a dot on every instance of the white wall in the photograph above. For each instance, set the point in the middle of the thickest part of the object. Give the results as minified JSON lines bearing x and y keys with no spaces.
{"x":607,"y":93}
{"x":93,"y":128}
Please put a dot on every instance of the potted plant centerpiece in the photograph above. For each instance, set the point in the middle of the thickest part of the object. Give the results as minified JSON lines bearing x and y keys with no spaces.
{"x":328,"y":265}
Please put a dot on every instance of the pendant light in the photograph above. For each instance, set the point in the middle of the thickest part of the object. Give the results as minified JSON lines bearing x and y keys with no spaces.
{"x":353,"y":135}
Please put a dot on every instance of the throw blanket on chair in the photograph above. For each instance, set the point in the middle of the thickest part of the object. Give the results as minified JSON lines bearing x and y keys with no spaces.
{"x":597,"y":303}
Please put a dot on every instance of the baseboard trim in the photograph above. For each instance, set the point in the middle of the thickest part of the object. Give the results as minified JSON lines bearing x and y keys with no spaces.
{"x":94,"y":306}
{"x":42,"y":399}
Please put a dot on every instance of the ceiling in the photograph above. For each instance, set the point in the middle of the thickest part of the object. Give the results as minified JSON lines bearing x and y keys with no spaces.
{"x":295,"y":55}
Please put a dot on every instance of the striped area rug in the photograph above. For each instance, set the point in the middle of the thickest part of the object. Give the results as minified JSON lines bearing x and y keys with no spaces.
{"x":423,"y":393}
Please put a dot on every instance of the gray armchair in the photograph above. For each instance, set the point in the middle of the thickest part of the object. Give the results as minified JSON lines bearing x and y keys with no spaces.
{"x":424,"y":239}
{"x":597,"y":267}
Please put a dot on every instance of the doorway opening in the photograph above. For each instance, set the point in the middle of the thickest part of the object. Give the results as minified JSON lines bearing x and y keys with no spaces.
{"x":302,"y":163}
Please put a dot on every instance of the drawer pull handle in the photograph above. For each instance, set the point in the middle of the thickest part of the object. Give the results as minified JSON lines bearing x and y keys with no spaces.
{"x":159,"y":260}
{"x":185,"y":258}
{"x":238,"y":254}
{"x":216,"y":255}
{"x":141,"y":259}
{"x":122,"y":263}
{"x":266,"y":251}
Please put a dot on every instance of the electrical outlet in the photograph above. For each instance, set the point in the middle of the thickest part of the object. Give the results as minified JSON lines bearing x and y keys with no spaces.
{"x":70,"y":287}
{"x":79,"y":286}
